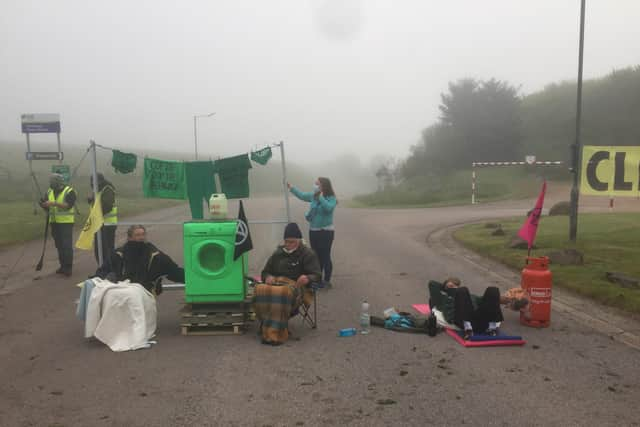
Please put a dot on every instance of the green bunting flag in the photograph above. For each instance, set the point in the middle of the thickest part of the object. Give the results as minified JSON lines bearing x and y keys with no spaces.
{"x":261,"y":156}
{"x":234,"y":176}
{"x":123,"y":162}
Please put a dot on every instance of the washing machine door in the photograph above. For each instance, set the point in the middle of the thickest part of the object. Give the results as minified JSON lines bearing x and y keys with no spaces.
{"x":212,"y":259}
{"x":213,"y":275}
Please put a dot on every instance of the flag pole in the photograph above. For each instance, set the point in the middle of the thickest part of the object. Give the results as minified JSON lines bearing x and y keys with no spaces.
{"x":284,"y":182}
{"x":94,"y":175}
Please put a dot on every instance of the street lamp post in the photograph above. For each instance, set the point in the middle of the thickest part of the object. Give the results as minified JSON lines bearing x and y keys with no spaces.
{"x":195,"y":129}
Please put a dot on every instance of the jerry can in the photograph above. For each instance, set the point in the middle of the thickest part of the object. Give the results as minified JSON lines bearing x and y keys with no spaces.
{"x":218,"y":206}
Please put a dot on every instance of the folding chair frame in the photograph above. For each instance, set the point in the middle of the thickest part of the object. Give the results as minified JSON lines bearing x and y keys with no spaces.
{"x":304,"y":310}
{"x":311,"y":319}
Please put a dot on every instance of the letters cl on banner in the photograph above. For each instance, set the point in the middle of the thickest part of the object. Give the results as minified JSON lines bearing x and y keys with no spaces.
{"x":610,"y":171}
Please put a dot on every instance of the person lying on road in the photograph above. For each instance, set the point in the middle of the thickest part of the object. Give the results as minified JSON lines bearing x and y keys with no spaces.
{"x":472,"y":313}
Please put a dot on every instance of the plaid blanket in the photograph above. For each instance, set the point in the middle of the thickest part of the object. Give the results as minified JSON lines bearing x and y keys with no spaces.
{"x":274,"y":305}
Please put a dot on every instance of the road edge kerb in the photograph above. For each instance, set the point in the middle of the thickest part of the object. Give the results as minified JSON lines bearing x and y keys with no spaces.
{"x":605,"y":320}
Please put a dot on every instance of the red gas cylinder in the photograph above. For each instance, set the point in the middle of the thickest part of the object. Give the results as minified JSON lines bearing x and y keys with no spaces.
{"x":536,"y":281}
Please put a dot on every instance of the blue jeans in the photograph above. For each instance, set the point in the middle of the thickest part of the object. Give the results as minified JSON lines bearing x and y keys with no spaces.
{"x":321,"y":241}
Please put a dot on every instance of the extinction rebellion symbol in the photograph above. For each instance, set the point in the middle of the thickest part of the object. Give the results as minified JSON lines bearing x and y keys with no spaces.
{"x":242,"y":232}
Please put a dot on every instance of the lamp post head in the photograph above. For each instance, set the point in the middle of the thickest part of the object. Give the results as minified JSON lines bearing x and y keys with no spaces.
{"x":200,"y":116}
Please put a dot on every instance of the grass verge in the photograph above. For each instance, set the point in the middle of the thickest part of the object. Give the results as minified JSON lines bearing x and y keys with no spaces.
{"x":455,"y":189}
{"x":609,"y":242}
{"x":19,"y":224}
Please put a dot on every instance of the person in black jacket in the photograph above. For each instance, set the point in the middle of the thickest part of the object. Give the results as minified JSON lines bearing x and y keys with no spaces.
{"x":109,"y":211}
{"x":287,"y":277}
{"x":473,"y":313}
{"x":141,"y":262}
{"x":293,"y":260}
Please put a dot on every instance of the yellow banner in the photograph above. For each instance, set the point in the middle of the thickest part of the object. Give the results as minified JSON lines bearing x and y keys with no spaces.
{"x":610,"y":171}
{"x":93,"y":224}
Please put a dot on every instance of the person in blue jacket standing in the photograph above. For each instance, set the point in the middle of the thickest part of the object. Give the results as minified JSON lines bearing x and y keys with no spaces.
{"x":320,"y":216}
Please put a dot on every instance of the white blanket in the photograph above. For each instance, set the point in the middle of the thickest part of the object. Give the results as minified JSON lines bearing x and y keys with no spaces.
{"x":122,"y":315}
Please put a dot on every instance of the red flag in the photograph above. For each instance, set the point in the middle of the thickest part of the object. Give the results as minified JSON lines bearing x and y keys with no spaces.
{"x":530,"y":226}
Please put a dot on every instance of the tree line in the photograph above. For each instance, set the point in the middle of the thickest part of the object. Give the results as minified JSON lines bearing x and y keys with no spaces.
{"x":489,"y":120}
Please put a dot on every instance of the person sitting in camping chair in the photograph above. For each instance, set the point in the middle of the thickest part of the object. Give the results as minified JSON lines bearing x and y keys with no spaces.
{"x":287,"y":277}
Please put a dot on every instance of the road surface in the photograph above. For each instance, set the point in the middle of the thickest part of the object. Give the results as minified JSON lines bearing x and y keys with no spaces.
{"x":583,"y":370}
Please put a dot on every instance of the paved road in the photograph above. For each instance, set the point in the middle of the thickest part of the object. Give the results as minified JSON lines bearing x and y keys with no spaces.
{"x":569,"y":374}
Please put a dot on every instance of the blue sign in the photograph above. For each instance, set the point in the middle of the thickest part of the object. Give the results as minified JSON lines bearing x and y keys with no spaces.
{"x":44,"y":155}
{"x":41,"y":127}
{"x":40,"y":123}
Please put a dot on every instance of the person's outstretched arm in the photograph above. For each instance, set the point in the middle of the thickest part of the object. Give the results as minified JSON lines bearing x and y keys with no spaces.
{"x":302,"y":195}
{"x":166,"y":266}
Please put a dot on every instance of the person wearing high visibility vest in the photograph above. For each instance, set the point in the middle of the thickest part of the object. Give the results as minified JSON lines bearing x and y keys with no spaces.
{"x":110,"y":214}
{"x":60,"y":204}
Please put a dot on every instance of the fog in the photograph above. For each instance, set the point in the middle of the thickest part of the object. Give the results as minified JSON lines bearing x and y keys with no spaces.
{"x":332,"y":79}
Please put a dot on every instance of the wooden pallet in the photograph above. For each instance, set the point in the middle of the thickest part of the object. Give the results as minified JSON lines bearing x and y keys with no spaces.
{"x":206,"y":329}
{"x":216,"y":318}
{"x":217,"y":314}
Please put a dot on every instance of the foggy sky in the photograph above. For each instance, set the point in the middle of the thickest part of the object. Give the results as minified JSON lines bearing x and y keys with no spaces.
{"x":327,"y":77}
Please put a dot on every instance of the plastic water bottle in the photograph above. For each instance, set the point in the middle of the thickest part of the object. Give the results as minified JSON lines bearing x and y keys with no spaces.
{"x":365,"y":320}
{"x":347,"y":332}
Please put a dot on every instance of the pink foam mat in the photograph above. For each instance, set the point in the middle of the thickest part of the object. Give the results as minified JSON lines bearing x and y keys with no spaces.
{"x":425,"y":309}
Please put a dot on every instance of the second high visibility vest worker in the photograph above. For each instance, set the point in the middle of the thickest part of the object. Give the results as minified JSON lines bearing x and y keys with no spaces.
{"x":110,"y":217}
{"x":58,"y":215}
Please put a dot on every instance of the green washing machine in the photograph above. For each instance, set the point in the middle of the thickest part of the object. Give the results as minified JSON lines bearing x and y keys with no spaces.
{"x":211,"y":274}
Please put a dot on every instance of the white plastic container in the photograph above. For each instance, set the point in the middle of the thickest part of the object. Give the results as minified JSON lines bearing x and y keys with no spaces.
{"x":218,"y":206}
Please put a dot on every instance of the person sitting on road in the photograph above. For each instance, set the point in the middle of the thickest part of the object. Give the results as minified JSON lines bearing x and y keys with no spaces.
{"x":141,"y":262}
{"x":287,"y":276}
{"x":470,"y":312}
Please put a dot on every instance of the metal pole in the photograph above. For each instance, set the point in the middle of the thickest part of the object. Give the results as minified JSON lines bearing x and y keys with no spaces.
{"x":195,"y":135}
{"x":473,"y":184}
{"x":33,"y":177}
{"x":94,"y":175}
{"x":575,"y":154}
{"x":284,"y":182}
{"x":59,"y":148}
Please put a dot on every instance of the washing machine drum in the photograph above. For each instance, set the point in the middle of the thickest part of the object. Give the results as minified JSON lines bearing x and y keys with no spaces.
{"x":212,"y":258}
